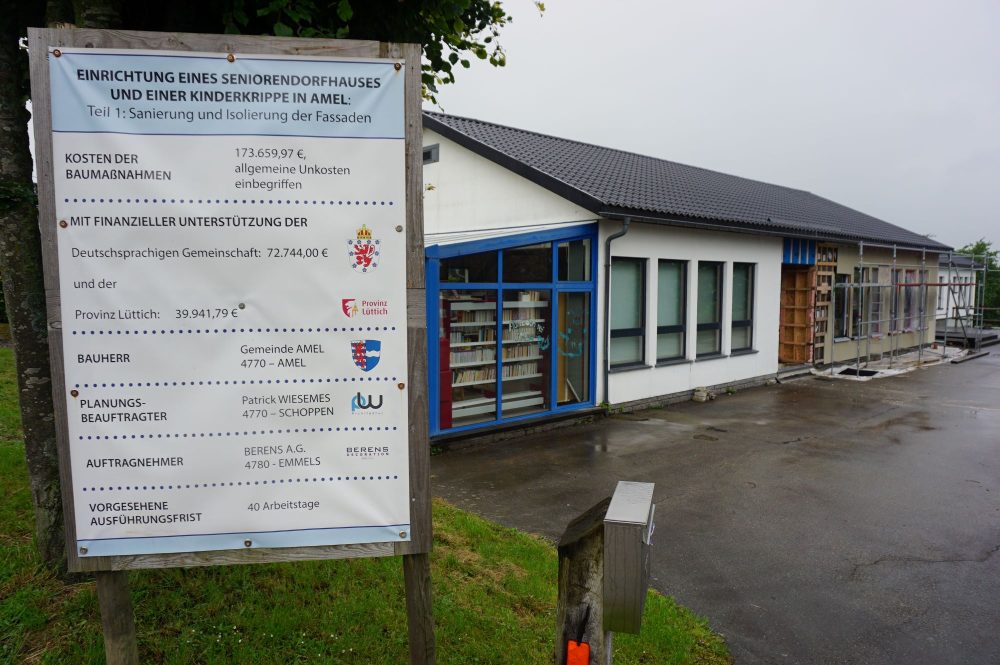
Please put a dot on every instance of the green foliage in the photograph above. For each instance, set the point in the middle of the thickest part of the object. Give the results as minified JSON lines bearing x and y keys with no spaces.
{"x":451,"y":31}
{"x":983,"y":253}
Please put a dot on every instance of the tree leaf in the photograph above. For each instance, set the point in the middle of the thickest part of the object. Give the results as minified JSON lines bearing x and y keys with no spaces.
{"x":344,"y":10}
{"x":282,"y":30}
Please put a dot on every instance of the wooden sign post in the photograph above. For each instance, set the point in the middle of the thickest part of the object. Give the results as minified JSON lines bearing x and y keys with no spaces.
{"x":232,"y":233}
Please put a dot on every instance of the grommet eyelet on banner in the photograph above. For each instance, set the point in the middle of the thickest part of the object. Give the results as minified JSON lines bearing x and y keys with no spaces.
{"x":247,"y":543}
{"x":397,"y":66}
{"x":63,"y":224}
{"x":74,"y":393}
{"x":56,"y":52}
{"x":231,"y":58}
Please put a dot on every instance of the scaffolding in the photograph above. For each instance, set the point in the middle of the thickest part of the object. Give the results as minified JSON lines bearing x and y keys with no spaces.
{"x":882,"y":313}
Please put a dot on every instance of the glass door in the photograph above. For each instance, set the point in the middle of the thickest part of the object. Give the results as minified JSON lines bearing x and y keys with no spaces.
{"x":573,"y":348}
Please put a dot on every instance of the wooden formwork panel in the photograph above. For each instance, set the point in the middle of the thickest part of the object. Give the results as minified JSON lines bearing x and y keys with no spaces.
{"x":797,"y":315}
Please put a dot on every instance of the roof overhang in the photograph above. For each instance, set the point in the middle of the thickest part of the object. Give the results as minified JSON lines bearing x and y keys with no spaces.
{"x":780,"y":229}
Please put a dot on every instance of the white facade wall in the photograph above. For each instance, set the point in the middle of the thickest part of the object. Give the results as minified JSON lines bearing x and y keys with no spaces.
{"x":957,"y":299}
{"x":654,"y":242}
{"x":464,"y":192}
{"x":467,"y":194}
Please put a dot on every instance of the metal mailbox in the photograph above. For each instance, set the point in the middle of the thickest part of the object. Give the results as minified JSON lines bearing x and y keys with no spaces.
{"x":628,"y":532}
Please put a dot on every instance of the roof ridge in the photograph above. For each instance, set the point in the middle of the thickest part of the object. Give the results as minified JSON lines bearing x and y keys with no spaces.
{"x":438,"y":116}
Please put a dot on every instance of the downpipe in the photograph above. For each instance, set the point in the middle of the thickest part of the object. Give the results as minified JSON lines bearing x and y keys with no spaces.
{"x":607,"y":302}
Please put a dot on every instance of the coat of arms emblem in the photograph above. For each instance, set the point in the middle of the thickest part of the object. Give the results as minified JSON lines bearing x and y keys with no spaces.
{"x":363,"y":250}
{"x":366,"y":353}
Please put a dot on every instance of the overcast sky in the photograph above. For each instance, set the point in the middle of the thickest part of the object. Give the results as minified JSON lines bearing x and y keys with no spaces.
{"x":890,"y":107}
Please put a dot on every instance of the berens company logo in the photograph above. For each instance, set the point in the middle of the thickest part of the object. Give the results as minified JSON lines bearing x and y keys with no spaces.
{"x":363,"y":250}
{"x":366,"y":451}
{"x":362,"y":403}
{"x":366,"y":353}
{"x":352,"y":307}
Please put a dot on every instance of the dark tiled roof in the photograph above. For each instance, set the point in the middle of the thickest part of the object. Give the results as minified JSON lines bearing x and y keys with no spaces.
{"x":610,"y":181}
{"x":959,"y":261}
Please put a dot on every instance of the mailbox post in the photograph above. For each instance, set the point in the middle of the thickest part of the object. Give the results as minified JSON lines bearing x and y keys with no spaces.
{"x":628,"y":531}
{"x":603,"y":575}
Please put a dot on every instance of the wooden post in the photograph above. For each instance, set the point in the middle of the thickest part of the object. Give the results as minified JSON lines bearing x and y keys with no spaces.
{"x":419,"y":611}
{"x":117,"y":618}
{"x":580,"y":607}
{"x":416,"y":553}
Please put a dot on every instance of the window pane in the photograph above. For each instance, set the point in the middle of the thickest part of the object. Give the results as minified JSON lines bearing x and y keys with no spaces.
{"x":669,"y":345}
{"x":626,"y":293}
{"x":468,"y":371}
{"x":528,"y":264}
{"x":670,"y":294}
{"x":743,"y":274}
{"x":525,"y":348}
{"x":708,"y":342}
{"x":742,"y":290}
{"x":472,"y":268}
{"x":741,"y":338}
{"x":626,"y":350}
{"x":574,"y":260}
{"x":573,"y":363}
{"x":841,"y":311}
{"x":709,"y":275}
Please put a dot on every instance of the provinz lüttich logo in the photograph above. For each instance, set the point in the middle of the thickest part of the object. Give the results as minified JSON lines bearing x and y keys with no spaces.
{"x":357,"y":308}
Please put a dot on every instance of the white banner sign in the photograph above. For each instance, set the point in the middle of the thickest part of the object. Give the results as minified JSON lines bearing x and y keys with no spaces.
{"x":231,"y":268}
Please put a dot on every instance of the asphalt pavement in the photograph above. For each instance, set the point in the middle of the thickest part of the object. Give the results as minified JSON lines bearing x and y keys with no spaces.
{"x":818,"y":521}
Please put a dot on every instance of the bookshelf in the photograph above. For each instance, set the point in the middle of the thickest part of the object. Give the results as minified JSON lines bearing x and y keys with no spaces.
{"x":826,"y":270}
{"x":473,"y":358}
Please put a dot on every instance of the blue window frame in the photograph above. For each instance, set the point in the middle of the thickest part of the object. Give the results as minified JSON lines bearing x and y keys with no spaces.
{"x":501,"y":351}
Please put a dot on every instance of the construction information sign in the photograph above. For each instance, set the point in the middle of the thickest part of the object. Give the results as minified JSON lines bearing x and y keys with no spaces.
{"x":232,"y":276}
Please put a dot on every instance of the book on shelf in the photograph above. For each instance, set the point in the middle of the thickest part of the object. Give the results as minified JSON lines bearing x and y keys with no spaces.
{"x":473,"y":316}
{"x":519,"y":370}
{"x":482,"y":354}
{"x":526,"y":331}
{"x":485,"y":334}
{"x":524,"y":314}
{"x":474,"y":374}
{"x":521,"y":351}
{"x":530,"y":295}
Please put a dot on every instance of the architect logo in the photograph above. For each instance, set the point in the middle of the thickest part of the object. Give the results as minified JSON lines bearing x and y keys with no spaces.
{"x":363,"y":250}
{"x":366,"y":353}
{"x":366,"y":403}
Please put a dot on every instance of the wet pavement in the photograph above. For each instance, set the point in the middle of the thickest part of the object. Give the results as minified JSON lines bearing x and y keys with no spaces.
{"x":812,"y":522}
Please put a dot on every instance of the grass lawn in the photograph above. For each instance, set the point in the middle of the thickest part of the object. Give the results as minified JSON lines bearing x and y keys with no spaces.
{"x":494,"y":598}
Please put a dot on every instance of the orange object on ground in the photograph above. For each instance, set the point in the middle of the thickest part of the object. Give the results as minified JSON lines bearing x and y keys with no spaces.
{"x":577,"y":653}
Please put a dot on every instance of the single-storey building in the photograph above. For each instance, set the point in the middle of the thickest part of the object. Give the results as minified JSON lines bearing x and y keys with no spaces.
{"x":956,"y":299}
{"x":563,"y":276}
